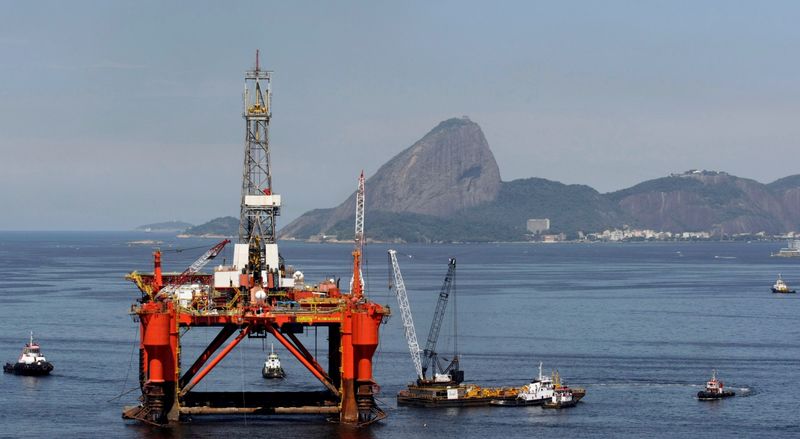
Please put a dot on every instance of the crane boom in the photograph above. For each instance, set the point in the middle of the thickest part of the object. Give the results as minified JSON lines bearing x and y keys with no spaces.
{"x":429,"y":354}
{"x":399,"y":288}
{"x":359,"y":232}
{"x":357,"y":280}
{"x":196,"y":266}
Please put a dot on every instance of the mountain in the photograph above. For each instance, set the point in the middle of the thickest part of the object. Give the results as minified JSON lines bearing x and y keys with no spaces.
{"x":166,"y":226}
{"x":446,"y":187}
{"x":712,"y":201}
{"x":447,"y":171}
{"x":222,"y":226}
{"x":788,"y":192}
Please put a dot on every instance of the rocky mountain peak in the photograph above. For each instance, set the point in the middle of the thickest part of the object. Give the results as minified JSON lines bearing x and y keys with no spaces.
{"x":450,"y":169}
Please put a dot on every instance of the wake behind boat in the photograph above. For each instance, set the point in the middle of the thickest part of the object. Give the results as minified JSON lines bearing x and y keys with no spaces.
{"x":31,"y":362}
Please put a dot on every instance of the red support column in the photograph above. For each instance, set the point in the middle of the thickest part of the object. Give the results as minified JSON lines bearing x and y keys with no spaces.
{"x":349,"y":408}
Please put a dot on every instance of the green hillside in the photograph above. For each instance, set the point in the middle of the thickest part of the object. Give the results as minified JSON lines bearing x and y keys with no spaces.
{"x":222,"y":226}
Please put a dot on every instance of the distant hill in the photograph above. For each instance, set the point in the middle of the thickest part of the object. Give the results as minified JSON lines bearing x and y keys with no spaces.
{"x":787,"y":190}
{"x":166,"y":226}
{"x":712,"y":201}
{"x":569,"y":207}
{"x":222,"y":226}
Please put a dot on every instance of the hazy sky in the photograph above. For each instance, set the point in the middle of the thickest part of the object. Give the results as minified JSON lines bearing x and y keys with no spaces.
{"x":115,"y":114}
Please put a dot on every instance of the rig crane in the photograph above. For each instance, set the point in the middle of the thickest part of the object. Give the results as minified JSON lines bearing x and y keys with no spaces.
{"x":196,"y":266}
{"x":357,"y":281}
{"x":430,"y":357}
{"x":399,"y":288}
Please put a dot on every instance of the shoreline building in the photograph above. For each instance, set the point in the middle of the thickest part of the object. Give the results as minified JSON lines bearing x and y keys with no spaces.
{"x":536,"y":226}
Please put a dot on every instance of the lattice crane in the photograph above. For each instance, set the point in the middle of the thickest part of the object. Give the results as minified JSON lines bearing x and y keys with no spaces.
{"x":194,"y":268}
{"x":429,"y":356}
{"x":399,"y":288}
{"x":357,"y":281}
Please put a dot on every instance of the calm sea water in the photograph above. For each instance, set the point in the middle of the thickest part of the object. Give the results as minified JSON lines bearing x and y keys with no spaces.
{"x":640,"y":326}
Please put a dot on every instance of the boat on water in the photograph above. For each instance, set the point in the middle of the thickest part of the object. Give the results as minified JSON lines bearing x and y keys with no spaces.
{"x":715,"y":389}
{"x":781,"y":287}
{"x":31,"y":361}
{"x":562,"y":398}
{"x":541,"y":390}
{"x":792,"y":250}
{"x":272,"y":366}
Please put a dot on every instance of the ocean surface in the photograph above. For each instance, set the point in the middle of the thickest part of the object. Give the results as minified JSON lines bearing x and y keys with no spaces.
{"x":639,"y":325}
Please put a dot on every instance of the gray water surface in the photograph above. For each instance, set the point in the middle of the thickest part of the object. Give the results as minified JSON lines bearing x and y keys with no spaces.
{"x":640,"y":326}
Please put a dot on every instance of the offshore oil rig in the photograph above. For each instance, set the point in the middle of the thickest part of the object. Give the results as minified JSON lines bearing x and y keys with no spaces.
{"x":258,"y":295}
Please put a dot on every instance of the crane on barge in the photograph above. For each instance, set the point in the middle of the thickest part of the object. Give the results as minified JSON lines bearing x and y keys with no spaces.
{"x":450,"y":374}
{"x":256,"y":296}
{"x":445,"y":387}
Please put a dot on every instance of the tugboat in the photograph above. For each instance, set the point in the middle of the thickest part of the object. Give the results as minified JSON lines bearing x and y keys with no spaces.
{"x":272,"y":367}
{"x":538,"y":391}
{"x":542,"y":390}
{"x":562,"y":398}
{"x":31,"y":362}
{"x":781,"y":287}
{"x":715,"y":389}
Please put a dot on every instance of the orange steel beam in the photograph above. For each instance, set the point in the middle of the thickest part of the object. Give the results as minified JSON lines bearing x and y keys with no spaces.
{"x":290,"y":347}
{"x":216,"y":360}
{"x":308,"y":355}
{"x":223,"y":335}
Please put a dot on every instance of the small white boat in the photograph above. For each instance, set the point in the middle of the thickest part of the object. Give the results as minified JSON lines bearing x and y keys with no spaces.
{"x":272,"y":366}
{"x":781,"y":287}
{"x":792,"y":250}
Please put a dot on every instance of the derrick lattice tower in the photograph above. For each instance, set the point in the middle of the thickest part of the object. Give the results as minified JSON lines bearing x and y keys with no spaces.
{"x":260,"y":205}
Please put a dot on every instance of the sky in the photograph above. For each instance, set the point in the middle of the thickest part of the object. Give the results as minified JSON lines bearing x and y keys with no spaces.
{"x":117,"y":114}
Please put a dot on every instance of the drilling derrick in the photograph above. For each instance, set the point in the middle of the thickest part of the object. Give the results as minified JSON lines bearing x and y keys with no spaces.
{"x":256,"y":296}
{"x":259,"y":205}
